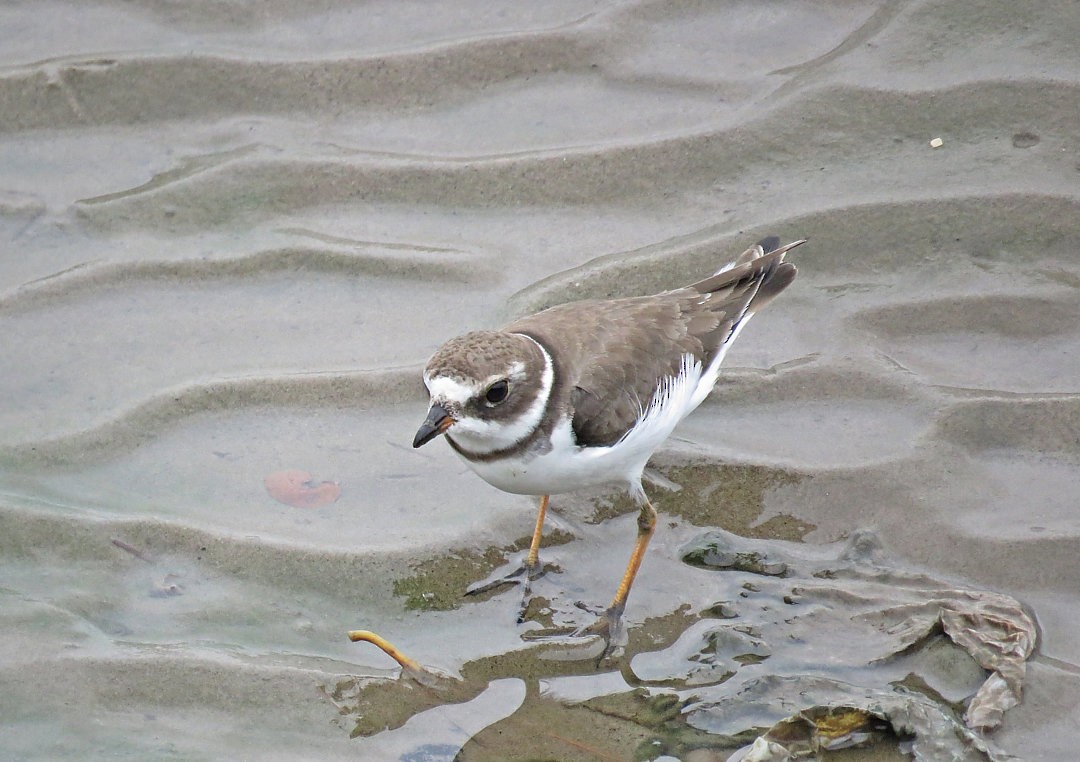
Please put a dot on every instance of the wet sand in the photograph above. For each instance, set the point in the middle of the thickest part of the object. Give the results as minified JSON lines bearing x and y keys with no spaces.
{"x":233,"y":234}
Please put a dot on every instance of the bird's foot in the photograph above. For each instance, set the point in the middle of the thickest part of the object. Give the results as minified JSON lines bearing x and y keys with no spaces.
{"x":521,"y":573}
{"x":609,"y":626}
{"x":608,"y":629}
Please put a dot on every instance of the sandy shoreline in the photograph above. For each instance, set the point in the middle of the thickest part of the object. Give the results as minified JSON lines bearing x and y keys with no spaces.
{"x":233,"y":237}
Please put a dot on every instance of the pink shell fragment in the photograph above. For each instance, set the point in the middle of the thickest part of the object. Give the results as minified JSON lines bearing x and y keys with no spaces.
{"x":299,"y":489}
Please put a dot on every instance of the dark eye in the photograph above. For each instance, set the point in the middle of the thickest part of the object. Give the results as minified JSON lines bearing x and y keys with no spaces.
{"x":497,"y":392}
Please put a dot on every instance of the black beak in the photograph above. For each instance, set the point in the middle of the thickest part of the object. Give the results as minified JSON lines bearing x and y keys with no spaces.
{"x":437,"y":421}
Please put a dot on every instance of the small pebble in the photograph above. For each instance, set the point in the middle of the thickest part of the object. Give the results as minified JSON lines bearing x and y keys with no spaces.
{"x":937,"y":143}
{"x":1025,"y":140}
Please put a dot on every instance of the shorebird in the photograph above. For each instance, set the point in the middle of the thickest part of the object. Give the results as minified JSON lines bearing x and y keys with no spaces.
{"x":582,"y":394}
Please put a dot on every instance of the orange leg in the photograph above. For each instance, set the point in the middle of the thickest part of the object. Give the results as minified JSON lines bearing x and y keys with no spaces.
{"x":533,"y":559}
{"x":609,"y":625}
{"x":529,"y":570}
{"x":646,"y":527}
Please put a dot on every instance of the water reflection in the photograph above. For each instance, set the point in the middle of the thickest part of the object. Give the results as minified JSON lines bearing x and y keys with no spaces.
{"x":817,"y":647}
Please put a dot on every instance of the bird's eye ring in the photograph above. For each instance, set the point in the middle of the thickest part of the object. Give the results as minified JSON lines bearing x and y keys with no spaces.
{"x":497,"y":393}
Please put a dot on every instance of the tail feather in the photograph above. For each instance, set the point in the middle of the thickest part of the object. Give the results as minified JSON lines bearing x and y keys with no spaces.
{"x":762,"y":262}
{"x":779,"y":276}
{"x":748,"y":284}
{"x":769,"y":244}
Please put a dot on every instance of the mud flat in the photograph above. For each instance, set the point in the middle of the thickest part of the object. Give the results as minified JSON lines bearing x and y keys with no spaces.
{"x":233,"y":233}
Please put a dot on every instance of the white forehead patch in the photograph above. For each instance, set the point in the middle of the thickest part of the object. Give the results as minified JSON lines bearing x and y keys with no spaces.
{"x":451,"y":389}
{"x":459,"y":391}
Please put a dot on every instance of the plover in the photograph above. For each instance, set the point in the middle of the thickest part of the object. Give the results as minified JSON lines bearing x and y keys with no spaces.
{"x":582,"y":394}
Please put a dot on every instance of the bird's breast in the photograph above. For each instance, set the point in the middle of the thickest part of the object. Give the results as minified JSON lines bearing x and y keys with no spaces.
{"x":561,"y":466}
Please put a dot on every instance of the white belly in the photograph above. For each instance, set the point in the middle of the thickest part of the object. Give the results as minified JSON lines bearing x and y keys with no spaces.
{"x":566,"y":467}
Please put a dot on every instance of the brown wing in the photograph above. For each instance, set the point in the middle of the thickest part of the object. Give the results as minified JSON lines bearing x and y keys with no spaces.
{"x":612,"y":353}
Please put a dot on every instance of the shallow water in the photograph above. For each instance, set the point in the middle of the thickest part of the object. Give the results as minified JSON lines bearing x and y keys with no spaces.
{"x":233,"y":234}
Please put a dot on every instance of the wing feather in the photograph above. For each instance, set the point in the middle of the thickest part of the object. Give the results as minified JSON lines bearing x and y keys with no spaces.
{"x":612,"y":354}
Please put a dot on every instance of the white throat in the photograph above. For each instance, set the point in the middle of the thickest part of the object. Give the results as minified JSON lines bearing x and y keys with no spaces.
{"x":482,"y":437}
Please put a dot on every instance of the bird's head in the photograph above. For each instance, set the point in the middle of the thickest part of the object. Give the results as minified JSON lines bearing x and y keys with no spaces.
{"x":488,"y":391}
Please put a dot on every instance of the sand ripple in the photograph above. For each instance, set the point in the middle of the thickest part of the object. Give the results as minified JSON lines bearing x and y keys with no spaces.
{"x":234,"y":233}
